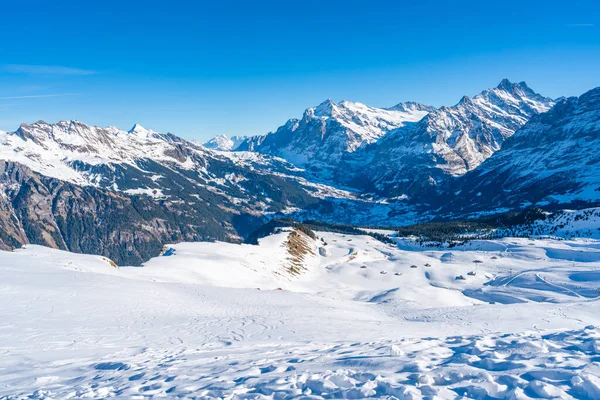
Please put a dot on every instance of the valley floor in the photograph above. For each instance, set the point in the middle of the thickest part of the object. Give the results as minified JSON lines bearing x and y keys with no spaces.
{"x":338,"y":317}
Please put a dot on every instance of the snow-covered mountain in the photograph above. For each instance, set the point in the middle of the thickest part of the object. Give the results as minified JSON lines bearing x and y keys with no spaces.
{"x":73,"y":151}
{"x":554,"y":158}
{"x":224,"y":142}
{"x":329,"y":131}
{"x":72,"y":186}
{"x":450,"y":141}
{"x":128,"y":161}
{"x":156,"y":187}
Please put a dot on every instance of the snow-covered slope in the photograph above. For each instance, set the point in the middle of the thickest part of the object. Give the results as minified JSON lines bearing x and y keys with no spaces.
{"x":552,"y":159}
{"x":452,"y":140}
{"x":224,"y":142}
{"x":358,"y":322}
{"x":327,"y":132}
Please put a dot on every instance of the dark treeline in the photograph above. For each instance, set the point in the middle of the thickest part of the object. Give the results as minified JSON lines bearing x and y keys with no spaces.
{"x":449,"y":232}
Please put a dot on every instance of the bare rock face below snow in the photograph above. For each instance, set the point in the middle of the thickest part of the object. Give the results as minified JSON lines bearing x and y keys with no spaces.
{"x":127,"y":229}
{"x":552,"y":159}
{"x":419,"y":160}
{"x":326,"y":134}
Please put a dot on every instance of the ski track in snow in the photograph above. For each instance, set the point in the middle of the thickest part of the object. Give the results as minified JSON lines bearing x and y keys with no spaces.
{"x":523,"y":327}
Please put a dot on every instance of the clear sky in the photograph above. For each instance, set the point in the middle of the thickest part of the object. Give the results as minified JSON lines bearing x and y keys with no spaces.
{"x":239,"y":67}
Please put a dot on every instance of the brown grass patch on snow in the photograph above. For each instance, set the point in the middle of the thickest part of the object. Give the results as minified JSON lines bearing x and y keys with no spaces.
{"x":299,"y":247}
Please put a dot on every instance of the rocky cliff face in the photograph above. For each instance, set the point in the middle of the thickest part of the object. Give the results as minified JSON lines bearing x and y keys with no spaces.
{"x":328,"y":133}
{"x":448,"y":142}
{"x":554,"y":158}
{"x":127,"y":229}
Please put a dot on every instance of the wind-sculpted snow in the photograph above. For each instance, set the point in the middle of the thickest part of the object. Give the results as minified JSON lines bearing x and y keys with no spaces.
{"x":363,"y":319}
{"x":510,"y":366}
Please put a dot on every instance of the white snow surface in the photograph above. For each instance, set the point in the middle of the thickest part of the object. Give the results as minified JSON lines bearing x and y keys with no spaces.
{"x":224,"y":142}
{"x":356,"y":321}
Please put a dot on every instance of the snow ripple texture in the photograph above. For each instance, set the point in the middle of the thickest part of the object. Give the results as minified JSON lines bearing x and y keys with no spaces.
{"x":512,"y":366}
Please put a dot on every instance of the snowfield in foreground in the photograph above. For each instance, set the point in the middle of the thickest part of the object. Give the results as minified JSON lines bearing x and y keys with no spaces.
{"x":337,"y":317}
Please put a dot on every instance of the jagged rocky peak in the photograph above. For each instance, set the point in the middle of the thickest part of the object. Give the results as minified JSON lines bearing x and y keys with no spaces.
{"x":345,"y":109}
{"x":507,"y":85}
{"x":516,"y":95}
{"x":137,"y":128}
{"x":75,"y":132}
{"x":553,"y":158}
{"x":327,"y":132}
{"x":516,"y":88}
{"x":590,"y":100}
{"x":41,"y":131}
{"x":499,"y":112}
{"x":452,"y":140}
{"x":76,"y":152}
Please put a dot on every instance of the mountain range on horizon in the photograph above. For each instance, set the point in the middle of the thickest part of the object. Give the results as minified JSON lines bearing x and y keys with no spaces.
{"x":69,"y":185}
{"x":311,"y":200}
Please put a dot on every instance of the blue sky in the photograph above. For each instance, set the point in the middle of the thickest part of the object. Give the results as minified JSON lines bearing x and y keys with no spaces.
{"x":203,"y":68}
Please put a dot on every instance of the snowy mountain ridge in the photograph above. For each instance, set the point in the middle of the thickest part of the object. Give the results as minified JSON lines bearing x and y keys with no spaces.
{"x":68,"y":150}
{"x":72,"y":186}
{"x":450,"y":141}
{"x":327,"y":132}
{"x":553,"y":158}
{"x":406,"y":175}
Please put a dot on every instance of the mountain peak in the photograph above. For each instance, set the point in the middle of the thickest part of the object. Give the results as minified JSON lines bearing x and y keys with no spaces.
{"x":472,"y":130}
{"x":38,"y":122}
{"x":224,"y":143}
{"x":465,"y":100}
{"x":411,"y":106}
{"x":325,"y":109}
{"x":505,"y":84}
{"x":137,"y":128}
{"x":509,"y":86}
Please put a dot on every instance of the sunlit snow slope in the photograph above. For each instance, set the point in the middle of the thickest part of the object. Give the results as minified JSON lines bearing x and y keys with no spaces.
{"x":333,"y":317}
